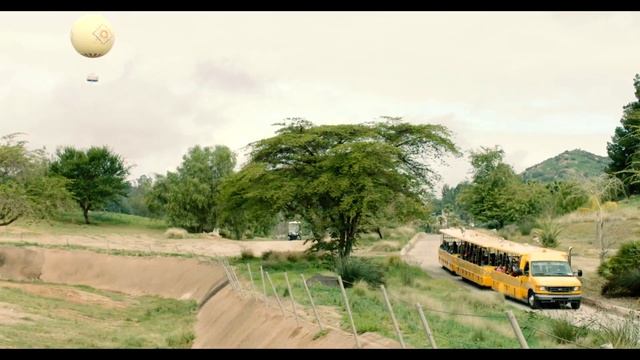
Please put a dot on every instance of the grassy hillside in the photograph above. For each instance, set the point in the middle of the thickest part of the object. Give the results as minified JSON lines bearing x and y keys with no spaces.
{"x":42,"y":315}
{"x":570,"y":164}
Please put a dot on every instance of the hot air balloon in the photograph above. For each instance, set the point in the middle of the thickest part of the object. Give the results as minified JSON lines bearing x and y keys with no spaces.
{"x":92,"y":37}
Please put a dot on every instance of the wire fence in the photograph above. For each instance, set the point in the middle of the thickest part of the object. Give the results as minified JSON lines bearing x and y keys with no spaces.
{"x":267,"y":292}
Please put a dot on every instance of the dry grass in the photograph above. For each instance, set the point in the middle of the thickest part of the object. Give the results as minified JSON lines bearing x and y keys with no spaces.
{"x":176,"y":233}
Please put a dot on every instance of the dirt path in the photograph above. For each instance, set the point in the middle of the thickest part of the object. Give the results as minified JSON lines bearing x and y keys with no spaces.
{"x":209,"y":246}
{"x":422,"y":251}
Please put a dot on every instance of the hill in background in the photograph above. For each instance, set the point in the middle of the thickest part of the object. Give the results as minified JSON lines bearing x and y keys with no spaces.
{"x":567,"y":165}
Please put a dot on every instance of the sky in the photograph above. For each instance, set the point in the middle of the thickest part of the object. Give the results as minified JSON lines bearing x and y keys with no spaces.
{"x":535,"y":83}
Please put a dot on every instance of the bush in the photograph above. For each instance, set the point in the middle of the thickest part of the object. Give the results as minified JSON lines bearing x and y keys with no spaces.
{"x":525,"y":226}
{"x":407,"y":273}
{"x":626,"y":284}
{"x":622,"y":271}
{"x":246,"y":254}
{"x":548,"y":232}
{"x":224,"y":233}
{"x":352,"y":269}
{"x":176,"y":233}
{"x":566,"y":332}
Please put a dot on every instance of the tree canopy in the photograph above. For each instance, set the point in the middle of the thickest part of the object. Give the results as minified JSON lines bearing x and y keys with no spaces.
{"x":340,"y":178}
{"x":189,"y":196}
{"x":96,"y":176}
{"x":26,"y":187}
{"x":624,"y":148}
{"x":498,"y":196}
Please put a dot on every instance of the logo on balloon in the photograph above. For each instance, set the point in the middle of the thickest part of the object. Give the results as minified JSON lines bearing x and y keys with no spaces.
{"x":103,"y":34}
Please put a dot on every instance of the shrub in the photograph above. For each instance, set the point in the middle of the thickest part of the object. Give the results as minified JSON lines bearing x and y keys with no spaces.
{"x":246,"y":254}
{"x":622,"y":271}
{"x":566,"y":332}
{"x":525,"y":226}
{"x":352,"y":269}
{"x":182,"y":340}
{"x":548,"y":232}
{"x":176,"y":233}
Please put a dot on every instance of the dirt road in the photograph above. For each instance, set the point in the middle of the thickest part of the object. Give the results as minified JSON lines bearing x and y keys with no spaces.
{"x":422,"y":251}
{"x":208,"y":246}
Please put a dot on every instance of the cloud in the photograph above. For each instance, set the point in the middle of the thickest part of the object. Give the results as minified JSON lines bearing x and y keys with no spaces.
{"x":225,"y":77}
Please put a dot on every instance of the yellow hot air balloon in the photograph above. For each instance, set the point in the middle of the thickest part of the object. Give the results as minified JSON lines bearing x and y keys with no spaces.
{"x":92,"y":37}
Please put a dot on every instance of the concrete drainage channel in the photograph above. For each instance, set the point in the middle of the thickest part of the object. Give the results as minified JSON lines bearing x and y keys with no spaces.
{"x":224,"y":319}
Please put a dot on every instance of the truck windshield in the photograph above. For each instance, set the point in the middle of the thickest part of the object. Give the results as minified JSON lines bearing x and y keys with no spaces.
{"x":550,"y":268}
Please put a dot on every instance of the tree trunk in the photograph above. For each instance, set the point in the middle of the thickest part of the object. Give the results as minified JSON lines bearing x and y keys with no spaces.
{"x":600,"y":235}
{"x":379,"y":231}
{"x":85,"y":212}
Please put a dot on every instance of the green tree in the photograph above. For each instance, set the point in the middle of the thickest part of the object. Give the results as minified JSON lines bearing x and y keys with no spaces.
{"x":341,"y":179}
{"x":566,"y":196}
{"x":624,"y":148}
{"x":133,"y":202}
{"x":189,"y":196}
{"x":27,"y":190}
{"x":498,"y":196}
{"x":96,"y":176}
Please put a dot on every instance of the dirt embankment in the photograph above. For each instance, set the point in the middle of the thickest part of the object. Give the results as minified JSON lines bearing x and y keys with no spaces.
{"x":164,"y":276}
{"x":225,"y":320}
{"x":229,"y":321}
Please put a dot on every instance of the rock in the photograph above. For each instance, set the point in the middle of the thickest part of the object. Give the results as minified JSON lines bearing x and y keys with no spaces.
{"x":324,"y":280}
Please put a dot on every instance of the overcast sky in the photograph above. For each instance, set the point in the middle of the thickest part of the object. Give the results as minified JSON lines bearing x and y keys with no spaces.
{"x":536,"y":83}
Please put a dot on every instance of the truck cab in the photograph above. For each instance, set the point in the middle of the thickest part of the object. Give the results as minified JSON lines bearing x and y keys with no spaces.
{"x":546,"y":277}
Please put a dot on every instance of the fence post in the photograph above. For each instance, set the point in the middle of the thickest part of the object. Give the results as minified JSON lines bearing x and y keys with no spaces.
{"x":346,"y":303}
{"x":275,"y":293}
{"x":516,"y":330}
{"x":233,"y":272}
{"x":393,"y":317}
{"x":313,"y":306}
{"x":253,"y":288}
{"x":293,"y":302}
{"x":427,"y":329}
{"x":264,"y":286}
{"x":226,"y":271}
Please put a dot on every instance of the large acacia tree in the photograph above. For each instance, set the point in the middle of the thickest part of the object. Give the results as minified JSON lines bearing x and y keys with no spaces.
{"x":339,"y":179}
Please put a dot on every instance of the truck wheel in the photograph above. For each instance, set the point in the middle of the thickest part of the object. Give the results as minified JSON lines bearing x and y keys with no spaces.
{"x":575,"y":305}
{"x":534,"y":303}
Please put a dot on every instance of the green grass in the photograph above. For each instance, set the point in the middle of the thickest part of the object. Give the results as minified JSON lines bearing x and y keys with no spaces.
{"x":72,"y":223}
{"x":407,"y":285}
{"x":401,"y":235}
{"x":143,"y":322}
